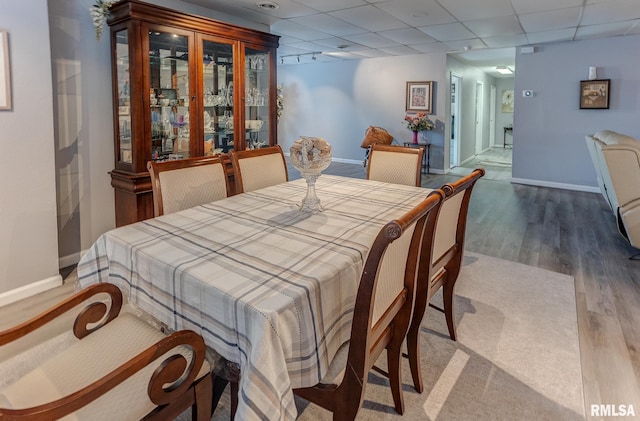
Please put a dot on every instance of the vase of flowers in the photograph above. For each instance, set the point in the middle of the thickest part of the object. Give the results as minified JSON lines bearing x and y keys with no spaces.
{"x":417,"y":123}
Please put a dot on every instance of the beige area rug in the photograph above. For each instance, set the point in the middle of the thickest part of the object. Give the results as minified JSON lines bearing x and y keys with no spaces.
{"x":516,"y":357}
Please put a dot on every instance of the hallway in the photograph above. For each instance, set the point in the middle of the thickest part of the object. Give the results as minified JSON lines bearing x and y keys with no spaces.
{"x":496,"y":161}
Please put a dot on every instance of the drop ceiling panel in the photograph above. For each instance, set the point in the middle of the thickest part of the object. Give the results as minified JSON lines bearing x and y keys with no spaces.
{"x":551,"y":36}
{"x":531,"y":6}
{"x":615,"y":11}
{"x":604,"y":30}
{"x":371,"y":53}
{"x":370,"y":18}
{"x":287,"y":27}
{"x":465,"y":44}
{"x":555,"y":19}
{"x":332,"y":5}
{"x":506,"y":41}
{"x":371,"y":40}
{"x":417,"y":12}
{"x":469,"y":9}
{"x":501,"y":25}
{"x":448,"y":32}
{"x":431,"y":47}
{"x":400,"y":50}
{"x":407,"y":36}
{"x":328,"y":24}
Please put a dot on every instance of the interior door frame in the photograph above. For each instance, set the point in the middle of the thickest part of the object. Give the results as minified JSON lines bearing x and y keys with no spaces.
{"x":479,"y":116}
{"x":492,"y":116}
{"x":455,"y":122}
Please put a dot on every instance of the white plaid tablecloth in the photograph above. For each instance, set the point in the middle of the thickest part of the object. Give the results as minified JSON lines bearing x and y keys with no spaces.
{"x":267,"y":286}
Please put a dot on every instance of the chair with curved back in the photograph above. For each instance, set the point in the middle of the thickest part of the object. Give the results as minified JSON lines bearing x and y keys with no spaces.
{"x":257,"y":168}
{"x":441,"y":270}
{"x":381,"y":315}
{"x":395,"y":164}
{"x":117,"y":367}
{"x":185,"y":183}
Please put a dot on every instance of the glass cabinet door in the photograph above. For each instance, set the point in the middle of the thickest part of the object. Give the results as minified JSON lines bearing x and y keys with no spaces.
{"x":257,"y":102}
{"x":217,"y":97}
{"x":124,"y":97}
{"x":169,"y":95}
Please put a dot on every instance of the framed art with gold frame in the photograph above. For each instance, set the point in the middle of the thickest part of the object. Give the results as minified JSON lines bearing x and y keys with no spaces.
{"x":419,"y":96}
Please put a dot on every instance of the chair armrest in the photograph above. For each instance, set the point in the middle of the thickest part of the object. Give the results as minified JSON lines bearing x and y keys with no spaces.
{"x":93,"y":313}
{"x":172,"y":377}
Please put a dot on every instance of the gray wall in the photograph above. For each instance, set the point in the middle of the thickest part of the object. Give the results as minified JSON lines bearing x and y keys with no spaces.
{"x":28,"y":234}
{"x":550,"y":128}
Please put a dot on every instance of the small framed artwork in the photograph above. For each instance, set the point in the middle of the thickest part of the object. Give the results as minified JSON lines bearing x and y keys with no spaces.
{"x":419,"y":96}
{"x":507,"y":100}
{"x":594,"y":94}
{"x":5,"y":78}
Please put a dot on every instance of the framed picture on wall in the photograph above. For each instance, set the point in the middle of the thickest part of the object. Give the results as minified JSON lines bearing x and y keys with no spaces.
{"x":419,"y":96}
{"x":5,"y":79}
{"x":594,"y":94}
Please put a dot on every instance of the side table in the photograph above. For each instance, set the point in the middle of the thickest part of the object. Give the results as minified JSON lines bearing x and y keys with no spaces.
{"x":504,"y":138}
{"x":426,"y":156}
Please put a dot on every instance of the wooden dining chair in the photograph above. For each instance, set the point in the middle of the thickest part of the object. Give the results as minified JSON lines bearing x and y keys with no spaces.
{"x":441,"y":269}
{"x":395,"y":164}
{"x":383,"y":307}
{"x":257,"y":168}
{"x":185,"y":183}
{"x":117,"y":368}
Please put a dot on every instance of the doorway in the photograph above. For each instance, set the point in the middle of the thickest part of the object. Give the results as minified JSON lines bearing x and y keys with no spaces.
{"x":479,"y":115}
{"x":454,"y":146}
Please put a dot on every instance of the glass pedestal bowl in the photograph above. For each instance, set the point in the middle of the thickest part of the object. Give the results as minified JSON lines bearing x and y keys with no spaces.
{"x":310,"y":156}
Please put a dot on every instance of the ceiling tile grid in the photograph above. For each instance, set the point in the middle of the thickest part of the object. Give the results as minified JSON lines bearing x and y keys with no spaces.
{"x":473,"y":30}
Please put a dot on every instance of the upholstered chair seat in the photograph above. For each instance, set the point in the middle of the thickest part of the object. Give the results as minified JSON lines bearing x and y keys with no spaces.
{"x":185,"y":183}
{"x":395,"y":164}
{"x":259,"y":168}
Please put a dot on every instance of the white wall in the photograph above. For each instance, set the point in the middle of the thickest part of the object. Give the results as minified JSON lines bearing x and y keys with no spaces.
{"x":339,"y":100}
{"x":550,"y":127}
{"x":28,"y":234}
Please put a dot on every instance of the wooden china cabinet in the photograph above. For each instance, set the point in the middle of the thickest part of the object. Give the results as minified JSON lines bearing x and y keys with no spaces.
{"x":184,"y":86}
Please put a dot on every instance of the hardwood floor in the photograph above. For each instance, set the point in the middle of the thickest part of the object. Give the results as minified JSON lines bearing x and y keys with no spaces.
{"x":572,"y":233}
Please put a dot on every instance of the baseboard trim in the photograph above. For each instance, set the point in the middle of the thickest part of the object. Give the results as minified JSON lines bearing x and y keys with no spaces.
{"x":348,"y":161}
{"x":437,"y":171}
{"x":564,"y":186}
{"x":29,"y":290}
{"x":71,"y":259}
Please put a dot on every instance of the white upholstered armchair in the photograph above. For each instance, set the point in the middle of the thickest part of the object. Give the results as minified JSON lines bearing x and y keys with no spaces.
{"x":616,"y":158}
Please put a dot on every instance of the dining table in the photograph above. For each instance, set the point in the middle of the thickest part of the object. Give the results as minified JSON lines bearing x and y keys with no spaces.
{"x":268,"y":286}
